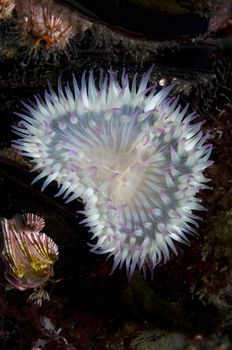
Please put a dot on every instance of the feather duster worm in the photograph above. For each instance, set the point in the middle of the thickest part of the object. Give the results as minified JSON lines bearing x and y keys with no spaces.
{"x":28,"y":254}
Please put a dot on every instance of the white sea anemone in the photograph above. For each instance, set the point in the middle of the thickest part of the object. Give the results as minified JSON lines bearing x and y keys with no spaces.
{"x":132,"y":154}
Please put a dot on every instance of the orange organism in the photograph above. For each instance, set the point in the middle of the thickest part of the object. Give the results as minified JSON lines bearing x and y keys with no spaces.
{"x":48,"y":24}
{"x":6,"y":8}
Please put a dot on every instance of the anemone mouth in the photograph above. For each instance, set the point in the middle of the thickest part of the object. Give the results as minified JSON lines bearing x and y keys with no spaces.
{"x":122,"y":171}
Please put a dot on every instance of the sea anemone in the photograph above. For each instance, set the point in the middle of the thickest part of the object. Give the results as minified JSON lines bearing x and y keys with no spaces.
{"x":132,"y":154}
